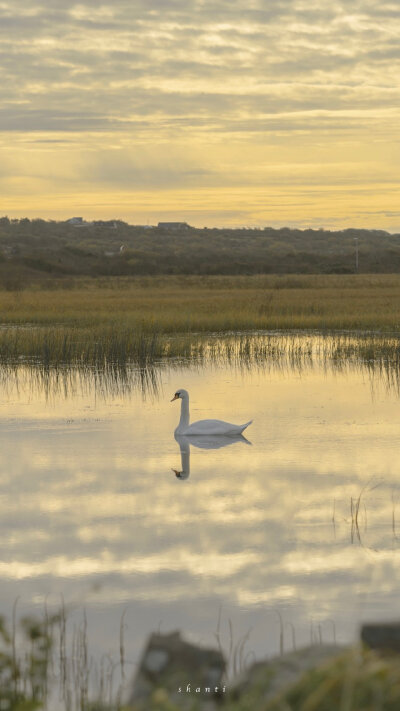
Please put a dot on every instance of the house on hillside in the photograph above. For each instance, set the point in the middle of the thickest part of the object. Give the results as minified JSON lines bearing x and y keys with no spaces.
{"x":80,"y":222}
{"x":109,"y":224}
{"x":173,"y":226}
{"x":113,"y":253}
{"x":11,"y":250}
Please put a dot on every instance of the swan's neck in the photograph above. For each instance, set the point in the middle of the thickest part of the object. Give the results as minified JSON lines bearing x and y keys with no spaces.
{"x":185,"y":415}
{"x":185,"y":460}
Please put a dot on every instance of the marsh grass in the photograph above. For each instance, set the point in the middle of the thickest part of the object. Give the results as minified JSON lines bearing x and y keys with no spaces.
{"x":172,"y":305}
{"x":111,"y":324}
{"x":57,"y":362}
{"x":99,"y":347}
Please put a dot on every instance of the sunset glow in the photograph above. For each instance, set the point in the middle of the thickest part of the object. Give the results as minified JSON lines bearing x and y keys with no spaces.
{"x":241,"y":113}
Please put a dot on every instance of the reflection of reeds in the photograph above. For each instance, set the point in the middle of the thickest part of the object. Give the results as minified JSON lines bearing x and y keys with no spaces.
{"x":122,"y":645}
{"x":116,"y":363}
{"x":363,"y":512}
{"x":107,"y":345}
{"x":355,"y":512}
{"x":394,"y":531}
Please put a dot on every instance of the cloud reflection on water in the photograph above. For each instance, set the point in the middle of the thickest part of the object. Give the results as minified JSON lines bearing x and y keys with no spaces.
{"x":89,"y":508}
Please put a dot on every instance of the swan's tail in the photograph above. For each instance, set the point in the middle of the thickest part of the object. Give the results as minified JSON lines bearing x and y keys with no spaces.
{"x":243,"y":427}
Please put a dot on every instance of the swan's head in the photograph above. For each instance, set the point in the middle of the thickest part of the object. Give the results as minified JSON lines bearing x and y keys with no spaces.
{"x":180,"y":475}
{"x":183,"y":394}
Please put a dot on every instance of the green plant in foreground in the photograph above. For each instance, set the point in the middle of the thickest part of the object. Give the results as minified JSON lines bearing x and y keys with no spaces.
{"x":24,"y":679}
{"x":358,"y":680}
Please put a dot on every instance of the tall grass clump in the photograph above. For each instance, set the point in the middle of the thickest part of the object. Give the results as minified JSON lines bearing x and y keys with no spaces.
{"x":93,"y":347}
{"x":117,"y":361}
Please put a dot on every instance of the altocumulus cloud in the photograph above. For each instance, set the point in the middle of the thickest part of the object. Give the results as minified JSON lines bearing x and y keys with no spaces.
{"x":111,"y":63}
{"x":196,"y":73}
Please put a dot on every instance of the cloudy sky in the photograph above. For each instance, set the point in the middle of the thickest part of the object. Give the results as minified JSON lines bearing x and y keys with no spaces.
{"x":247,"y":112}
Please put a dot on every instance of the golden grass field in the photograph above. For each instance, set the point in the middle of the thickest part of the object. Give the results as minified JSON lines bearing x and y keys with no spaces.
{"x":115,"y":318}
{"x":191,"y":304}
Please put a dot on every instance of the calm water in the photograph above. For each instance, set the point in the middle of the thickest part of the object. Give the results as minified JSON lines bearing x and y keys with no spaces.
{"x":91,"y":508}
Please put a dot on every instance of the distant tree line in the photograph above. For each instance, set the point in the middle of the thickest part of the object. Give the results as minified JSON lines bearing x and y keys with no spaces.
{"x":39,"y":248}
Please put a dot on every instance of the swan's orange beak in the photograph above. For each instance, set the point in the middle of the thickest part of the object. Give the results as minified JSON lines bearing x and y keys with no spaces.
{"x":176,"y":397}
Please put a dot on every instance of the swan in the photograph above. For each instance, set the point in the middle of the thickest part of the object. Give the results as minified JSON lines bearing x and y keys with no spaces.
{"x":203,"y":427}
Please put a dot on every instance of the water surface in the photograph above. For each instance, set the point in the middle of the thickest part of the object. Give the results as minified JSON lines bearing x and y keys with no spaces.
{"x":260,"y":534}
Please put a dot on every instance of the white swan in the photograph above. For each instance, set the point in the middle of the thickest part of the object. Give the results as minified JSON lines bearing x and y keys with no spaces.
{"x":203,"y":427}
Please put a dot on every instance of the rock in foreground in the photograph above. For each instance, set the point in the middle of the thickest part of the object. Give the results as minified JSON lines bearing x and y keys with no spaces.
{"x":382,"y":636}
{"x":182,"y":672}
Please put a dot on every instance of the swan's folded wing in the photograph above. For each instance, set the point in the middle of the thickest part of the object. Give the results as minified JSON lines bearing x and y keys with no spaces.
{"x":214,"y":427}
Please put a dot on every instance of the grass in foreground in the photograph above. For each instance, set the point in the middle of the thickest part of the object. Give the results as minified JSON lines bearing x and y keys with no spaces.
{"x":358,"y":680}
{"x":42,"y":660}
{"x":34,"y":665}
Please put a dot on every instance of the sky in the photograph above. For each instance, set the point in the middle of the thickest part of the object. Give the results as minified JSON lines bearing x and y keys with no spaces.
{"x":219,"y":113}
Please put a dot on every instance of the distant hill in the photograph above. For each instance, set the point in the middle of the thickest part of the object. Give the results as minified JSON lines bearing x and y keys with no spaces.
{"x":36,"y":248}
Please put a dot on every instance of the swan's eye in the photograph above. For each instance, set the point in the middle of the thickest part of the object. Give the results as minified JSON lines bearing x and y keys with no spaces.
{"x":177,"y":394}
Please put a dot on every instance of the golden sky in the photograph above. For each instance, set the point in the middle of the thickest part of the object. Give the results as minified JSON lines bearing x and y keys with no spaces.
{"x":247,"y":112}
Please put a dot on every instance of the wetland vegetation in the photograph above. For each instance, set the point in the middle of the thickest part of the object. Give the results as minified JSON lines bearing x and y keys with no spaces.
{"x":74,"y":318}
{"x":191,"y":304}
{"x":68,"y":294}
{"x":145,"y":320}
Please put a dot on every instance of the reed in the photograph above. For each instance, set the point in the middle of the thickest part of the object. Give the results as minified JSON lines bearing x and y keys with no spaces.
{"x":106,"y":346}
{"x":57,"y":365}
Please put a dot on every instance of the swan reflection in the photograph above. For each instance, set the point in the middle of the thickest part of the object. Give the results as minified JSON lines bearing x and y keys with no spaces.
{"x":202,"y":442}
